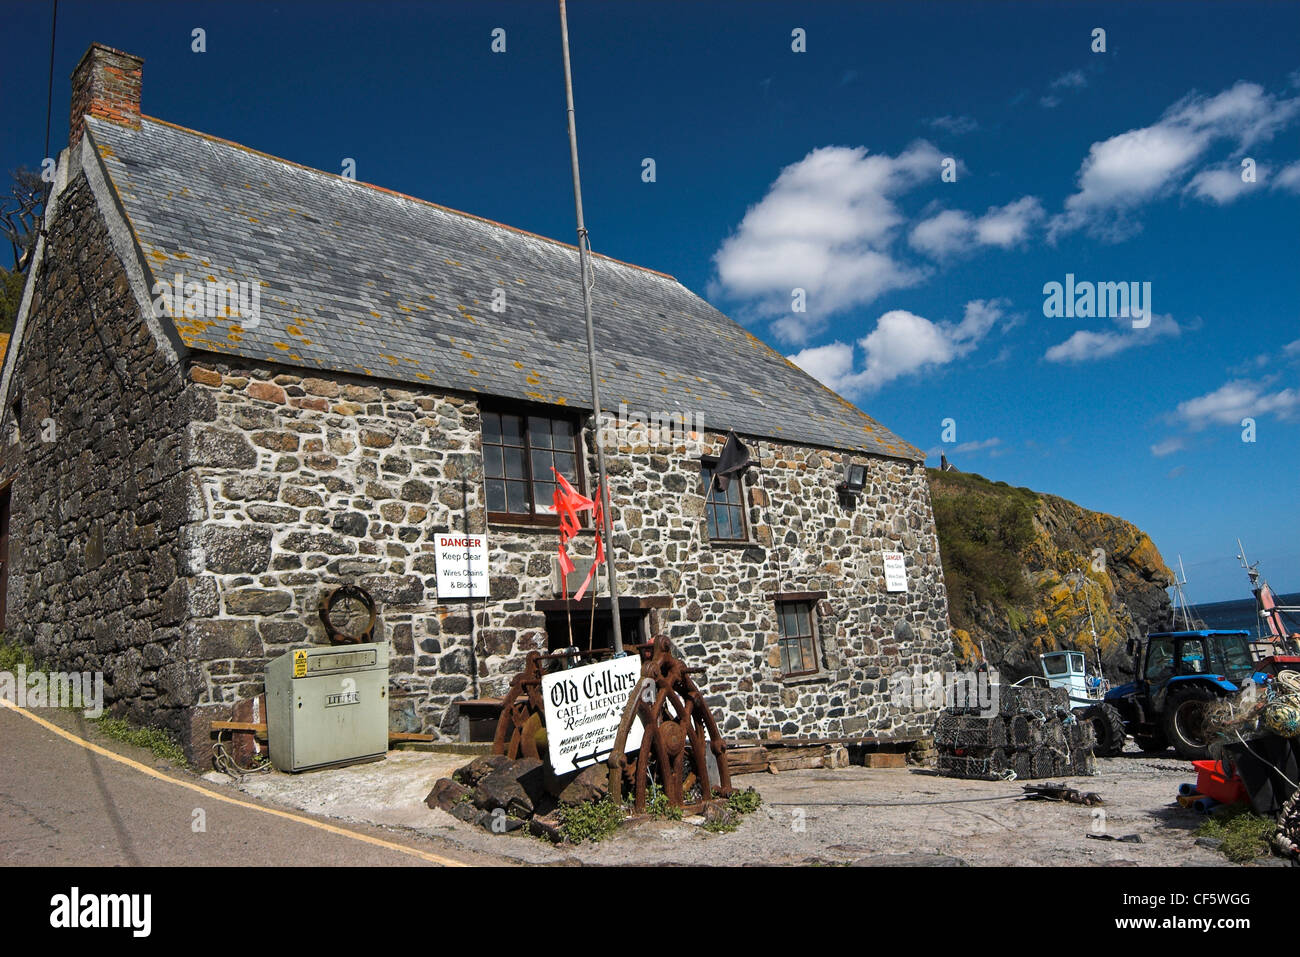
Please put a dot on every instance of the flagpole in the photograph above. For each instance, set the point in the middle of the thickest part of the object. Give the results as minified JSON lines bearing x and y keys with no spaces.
{"x":584,"y":251}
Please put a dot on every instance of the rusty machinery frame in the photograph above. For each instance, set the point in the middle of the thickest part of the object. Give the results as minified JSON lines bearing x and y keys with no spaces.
{"x":678,"y":727}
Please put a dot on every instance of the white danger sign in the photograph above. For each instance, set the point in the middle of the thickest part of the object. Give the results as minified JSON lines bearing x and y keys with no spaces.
{"x":583,"y":707}
{"x":895,"y":572}
{"x":462,"y":566}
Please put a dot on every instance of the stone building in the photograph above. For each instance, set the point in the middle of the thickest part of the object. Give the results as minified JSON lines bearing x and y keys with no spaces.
{"x":236,"y":383}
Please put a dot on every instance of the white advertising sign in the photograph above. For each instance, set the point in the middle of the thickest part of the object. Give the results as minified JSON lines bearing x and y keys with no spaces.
{"x":895,"y":572}
{"x":462,"y":564}
{"x":583,"y":707}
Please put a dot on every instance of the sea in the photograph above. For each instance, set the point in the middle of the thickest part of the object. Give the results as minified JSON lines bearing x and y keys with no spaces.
{"x":1239,"y":613}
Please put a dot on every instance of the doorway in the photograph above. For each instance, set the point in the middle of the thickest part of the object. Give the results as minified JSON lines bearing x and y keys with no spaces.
{"x":597,"y":634}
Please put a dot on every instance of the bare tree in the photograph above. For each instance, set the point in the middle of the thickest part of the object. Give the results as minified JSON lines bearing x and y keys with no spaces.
{"x":20,"y":213}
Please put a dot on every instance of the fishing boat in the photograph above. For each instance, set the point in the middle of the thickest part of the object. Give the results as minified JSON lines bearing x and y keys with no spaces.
{"x":1277,"y":634}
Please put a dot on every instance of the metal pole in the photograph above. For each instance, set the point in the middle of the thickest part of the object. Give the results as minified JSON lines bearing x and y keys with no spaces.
{"x":584,"y":251}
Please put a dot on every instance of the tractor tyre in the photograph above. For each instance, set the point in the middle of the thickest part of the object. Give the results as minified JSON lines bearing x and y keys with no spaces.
{"x":1184,"y":721}
{"x":1108,"y":725}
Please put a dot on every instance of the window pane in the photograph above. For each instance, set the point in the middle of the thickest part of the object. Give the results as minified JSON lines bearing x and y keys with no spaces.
{"x":496,"y":496}
{"x":491,"y":427}
{"x":514,"y":463}
{"x":539,"y":432}
{"x":712,"y":517}
{"x":492,"y":466}
{"x":512,"y":430}
{"x":567,"y":465}
{"x":801,"y":619}
{"x":517,"y":495}
{"x":809,"y":659}
{"x":563,"y":432}
{"x":542,"y":465}
{"x":785,"y":658}
{"x":544,"y":497}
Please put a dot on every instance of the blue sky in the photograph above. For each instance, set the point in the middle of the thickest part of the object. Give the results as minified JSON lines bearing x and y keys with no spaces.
{"x":821,"y":170}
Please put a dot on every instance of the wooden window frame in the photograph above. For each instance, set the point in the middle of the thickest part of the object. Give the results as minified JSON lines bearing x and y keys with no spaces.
{"x":811,"y":638}
{"x":532,"y":517}
{"x":708,"y":490}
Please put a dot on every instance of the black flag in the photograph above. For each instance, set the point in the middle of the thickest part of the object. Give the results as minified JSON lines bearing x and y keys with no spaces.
{"x":732,"y":463}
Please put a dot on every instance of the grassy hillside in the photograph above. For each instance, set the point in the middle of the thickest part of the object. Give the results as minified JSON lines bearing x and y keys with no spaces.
{"x":1024,"y":570}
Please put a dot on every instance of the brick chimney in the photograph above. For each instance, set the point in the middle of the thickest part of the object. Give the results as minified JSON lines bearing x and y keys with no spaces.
{"x":105,"y":84}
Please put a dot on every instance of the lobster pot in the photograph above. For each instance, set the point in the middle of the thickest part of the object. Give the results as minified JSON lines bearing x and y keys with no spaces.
{"x":1018,"y":731}
{"x":1000,"y":760}
{"x":977,"y":765}
{"x":1082,"y":736}
{"x":1044,"y":763}
{"x":1061,"y":764}
{"x":947,"y":730}
{"x":1037,"y":732}
{"x":979,"y":732}
{"x":1083,"y":763}
{"x":1023,"y":764}
{"x":1054,"y":735}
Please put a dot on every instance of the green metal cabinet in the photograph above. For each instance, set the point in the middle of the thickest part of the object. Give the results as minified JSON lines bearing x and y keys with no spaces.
{"x":327,"y":706}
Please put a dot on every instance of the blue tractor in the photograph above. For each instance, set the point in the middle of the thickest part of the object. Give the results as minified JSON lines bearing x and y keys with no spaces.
{"x":1179,"y":674}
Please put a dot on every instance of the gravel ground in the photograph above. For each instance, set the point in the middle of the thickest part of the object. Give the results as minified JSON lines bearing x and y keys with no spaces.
{"x":856,"y":815}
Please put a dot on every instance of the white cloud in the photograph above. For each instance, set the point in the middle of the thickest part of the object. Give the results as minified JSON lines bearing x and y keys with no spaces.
{"x":963,"y":448}
{"x":1233,"y":401}
{"x":825,"y":226}
{"x":1140,"y":165}
{"x":953,"y":230}
{"x":1168,"y":447}
{"x":1220,"y":186}
{"x":1074,"y":80}
{"x":902,"y":343}
{"x":1288,"y":178}
{"x":1087,"y":345}
{"x":831,"y":364}
{"x":956,"y":125}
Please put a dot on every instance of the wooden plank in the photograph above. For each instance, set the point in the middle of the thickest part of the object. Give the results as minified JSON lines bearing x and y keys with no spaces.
{"x":885,"y":759}
{"x":407,"y":736}
{"x":257,"y":727}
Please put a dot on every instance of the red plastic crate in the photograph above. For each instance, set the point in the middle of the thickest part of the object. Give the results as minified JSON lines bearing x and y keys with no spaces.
{"x":1212,"y":782}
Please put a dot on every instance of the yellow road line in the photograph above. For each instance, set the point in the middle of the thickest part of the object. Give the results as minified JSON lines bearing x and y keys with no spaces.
{"x":286,"y":815}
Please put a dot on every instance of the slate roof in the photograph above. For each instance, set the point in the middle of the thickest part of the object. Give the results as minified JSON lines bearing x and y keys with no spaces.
{"x":361,"y":280}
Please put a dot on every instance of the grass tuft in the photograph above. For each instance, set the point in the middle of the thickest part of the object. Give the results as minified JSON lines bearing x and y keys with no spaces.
{"x":1244,"y":834}
{"x":156,"y":740}
{"x":591,"y":820}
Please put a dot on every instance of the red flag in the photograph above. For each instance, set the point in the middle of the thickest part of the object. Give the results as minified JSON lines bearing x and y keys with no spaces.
{"x":568,"y":503}
{"x":598,"y":518}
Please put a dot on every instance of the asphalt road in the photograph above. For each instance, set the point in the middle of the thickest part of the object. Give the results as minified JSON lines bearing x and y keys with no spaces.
{"x":64,"y":804}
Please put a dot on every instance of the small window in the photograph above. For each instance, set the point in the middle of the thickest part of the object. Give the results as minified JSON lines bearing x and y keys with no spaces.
{"x":519,"y":452}
{"x":798,"y":639}
{"x":724,"y":511}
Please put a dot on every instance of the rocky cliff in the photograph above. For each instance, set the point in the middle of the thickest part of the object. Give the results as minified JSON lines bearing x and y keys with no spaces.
{"x":1024,"y":570}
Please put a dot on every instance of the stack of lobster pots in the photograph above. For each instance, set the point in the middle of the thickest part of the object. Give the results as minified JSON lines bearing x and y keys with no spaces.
{"x":1030,"y":734}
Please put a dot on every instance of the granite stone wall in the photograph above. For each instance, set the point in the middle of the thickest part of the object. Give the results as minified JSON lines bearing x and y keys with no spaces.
{"x":91,"y":444}
{"x":305,"y":482}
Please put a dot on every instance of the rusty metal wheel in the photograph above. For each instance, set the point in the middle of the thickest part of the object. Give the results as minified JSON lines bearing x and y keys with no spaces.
{"x":681,"y":749}
{"x":521,"y":729}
